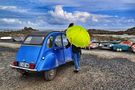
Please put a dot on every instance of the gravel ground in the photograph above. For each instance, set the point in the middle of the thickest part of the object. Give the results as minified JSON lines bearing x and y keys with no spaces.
{"x":100,"y":70}
{"x":10,"y":45}
{"x":111,"y":54}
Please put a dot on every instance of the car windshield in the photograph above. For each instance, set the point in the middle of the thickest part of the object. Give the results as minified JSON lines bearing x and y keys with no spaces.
{"x":34,"y":40}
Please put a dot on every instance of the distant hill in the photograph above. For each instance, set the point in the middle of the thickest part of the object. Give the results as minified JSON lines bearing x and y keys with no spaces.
{"x":130,"y":31}
{"x":99,"y":31}
{"x":25,"y":31}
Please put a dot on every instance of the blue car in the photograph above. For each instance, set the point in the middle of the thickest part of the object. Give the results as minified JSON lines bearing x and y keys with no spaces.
{"x":43,"y":52}
{"x":120,"y":47}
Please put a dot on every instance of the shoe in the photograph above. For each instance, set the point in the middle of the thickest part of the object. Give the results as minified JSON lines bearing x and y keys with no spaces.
{"x":76,"y":71}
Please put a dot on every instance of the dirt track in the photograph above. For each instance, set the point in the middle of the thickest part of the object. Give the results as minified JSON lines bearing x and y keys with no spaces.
{"x":10,"y":45}
{"x":98,"y":72}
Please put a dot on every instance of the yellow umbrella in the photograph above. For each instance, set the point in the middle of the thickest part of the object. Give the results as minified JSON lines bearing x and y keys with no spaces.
{"x":78,"y":36}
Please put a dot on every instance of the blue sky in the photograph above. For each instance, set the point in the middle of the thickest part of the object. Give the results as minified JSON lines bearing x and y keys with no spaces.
{"x":57,"y":14}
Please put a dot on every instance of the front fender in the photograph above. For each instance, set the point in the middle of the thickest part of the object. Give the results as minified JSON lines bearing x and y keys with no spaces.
{"x":48,"y":63}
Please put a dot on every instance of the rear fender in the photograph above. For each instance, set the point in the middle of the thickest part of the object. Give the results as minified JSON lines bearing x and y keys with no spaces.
{"x":48,"y":63}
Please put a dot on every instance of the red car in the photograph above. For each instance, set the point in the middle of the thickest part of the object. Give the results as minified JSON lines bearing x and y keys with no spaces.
{"x":129,"y":43}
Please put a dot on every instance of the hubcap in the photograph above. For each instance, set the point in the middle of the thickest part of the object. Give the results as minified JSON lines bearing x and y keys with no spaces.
{"x":52,"y":72}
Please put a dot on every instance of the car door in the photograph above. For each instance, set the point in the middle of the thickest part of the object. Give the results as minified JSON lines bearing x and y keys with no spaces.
{"x":59,"y":49}
{"x":67,"y":51}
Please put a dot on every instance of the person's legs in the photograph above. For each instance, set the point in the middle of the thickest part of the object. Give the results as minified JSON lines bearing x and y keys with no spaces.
{"x":76,"y":58}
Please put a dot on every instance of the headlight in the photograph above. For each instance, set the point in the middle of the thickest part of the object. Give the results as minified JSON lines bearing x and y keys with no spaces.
{"x":100,"y":44}
{"x":111,"y":45}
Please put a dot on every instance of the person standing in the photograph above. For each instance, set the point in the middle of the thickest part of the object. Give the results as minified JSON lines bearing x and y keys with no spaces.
{"x":76,"y":53}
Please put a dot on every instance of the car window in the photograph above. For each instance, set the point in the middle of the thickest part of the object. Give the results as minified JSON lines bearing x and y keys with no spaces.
{"x":34,"y":40}
{"x":65,"y":41}
{"x":58,"y":42}
{"x":49,"y":43}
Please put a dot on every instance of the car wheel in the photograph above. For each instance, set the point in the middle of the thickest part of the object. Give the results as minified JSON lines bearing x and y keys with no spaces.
{"x":49,"y":75}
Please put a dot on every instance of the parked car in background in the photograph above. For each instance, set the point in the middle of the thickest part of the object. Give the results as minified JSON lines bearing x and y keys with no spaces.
{"x":107,"y":44}
{"x":18,"y":39}
{"x":12,"y":39}
{"x":122,"y":46}
{"x":92,"y":45}
{"x":129,"y":43}
{"x":133,"y":47}
{"x":42,"y":52}
{"x":6,"y":39}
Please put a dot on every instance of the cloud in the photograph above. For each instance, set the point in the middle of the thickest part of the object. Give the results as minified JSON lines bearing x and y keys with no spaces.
{"x":15,"y":22}
{"x":89,"y":13}
{"x":58,"y":2}
{"x":89,"y":5}
{"x":113,"y":23}
{"x":60,"y":15}
{"x":8,"y":7}
{"x":14,"y":9}
{"x":11,"y":21}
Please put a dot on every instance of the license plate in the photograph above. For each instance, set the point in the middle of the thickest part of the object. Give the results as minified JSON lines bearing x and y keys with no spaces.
{"x":23,"y":64}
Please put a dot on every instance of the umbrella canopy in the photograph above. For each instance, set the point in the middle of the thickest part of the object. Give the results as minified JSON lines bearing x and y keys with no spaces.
{"x":78,"y":36}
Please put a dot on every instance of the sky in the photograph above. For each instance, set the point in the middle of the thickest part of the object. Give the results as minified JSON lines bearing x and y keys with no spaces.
{"x":57,"y":14}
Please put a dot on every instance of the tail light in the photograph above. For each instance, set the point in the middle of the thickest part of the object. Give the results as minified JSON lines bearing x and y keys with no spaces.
{"x":31,"y":66}
{"x":15,"y":63}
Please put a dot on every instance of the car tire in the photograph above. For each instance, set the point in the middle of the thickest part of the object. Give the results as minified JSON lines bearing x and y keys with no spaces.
{"x":49,"y":75}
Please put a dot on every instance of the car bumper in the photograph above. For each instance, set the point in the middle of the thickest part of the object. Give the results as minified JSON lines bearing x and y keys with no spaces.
{"x":16,"y":67}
